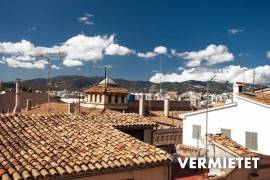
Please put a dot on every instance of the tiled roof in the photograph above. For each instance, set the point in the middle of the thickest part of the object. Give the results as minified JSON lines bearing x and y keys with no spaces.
{"x":108,"y":89}
{"x":230,"y":145}
{"x":33,"y":146}
{"x":122,"y":119}
{"x":259,"y":97}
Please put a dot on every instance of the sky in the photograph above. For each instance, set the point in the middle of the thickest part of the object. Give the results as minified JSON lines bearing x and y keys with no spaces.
{"x":188,"y":39}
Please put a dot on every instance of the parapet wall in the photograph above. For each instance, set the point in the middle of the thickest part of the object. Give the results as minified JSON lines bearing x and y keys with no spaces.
{"x":159,"y":105}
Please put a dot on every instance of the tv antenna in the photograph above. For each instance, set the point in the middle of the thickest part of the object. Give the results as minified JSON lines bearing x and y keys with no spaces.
{"x":49,"y":57}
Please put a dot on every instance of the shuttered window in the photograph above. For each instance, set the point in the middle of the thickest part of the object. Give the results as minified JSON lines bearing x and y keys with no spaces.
{"x":252,"y":140}
{"x":226,"y":132}
{"x":196,"y":131}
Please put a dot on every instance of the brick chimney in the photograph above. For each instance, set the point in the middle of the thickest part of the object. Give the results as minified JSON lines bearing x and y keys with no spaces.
{"x":17,"y":96}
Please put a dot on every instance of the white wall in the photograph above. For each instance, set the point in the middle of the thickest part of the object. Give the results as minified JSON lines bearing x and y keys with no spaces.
{"x":241,"y":117}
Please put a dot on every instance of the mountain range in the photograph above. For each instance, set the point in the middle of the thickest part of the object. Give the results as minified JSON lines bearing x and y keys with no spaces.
{"x":74,"y":82}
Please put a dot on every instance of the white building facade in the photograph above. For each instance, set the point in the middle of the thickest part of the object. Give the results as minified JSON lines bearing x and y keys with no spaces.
{"x":246,"y":121}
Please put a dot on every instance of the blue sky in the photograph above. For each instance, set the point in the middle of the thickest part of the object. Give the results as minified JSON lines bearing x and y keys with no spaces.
{"x":194,"y":39}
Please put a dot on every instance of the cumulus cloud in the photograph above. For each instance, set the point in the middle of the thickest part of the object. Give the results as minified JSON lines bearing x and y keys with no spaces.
{"x":228,"y":73}
{"x":115,"y":49}
{"x":213,"y":54}
{"x":147,"y":55}
{"x":55,"y":67}
{"x":74,"y":52}
{"x":160,"y":50}
{"x":86,"y":19}
{"x":40,"y":64}
{"x":157,"y":51}
{"x":73,"y":62}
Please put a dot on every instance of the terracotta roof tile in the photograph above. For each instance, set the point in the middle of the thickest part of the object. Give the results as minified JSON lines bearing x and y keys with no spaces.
{"x":39,"y":146}
{"x":229,"y":144}
{"x":117,"y":119}
{"x":109,"y":89}
{"x":259,"y":97}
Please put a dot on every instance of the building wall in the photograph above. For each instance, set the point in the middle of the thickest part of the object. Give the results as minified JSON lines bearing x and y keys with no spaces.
{"x":167,"y":136}
{"x":245,"y":116}
{"x":157,"y":173}
{"x":7,"y":100}
{"x":95,"y":102}
{"x":159,"y":105}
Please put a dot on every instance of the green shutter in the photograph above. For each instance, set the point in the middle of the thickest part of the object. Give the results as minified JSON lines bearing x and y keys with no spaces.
{"x":252,"y":140}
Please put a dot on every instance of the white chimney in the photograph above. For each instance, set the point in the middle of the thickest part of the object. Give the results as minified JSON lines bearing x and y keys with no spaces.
{"x":141,"y":106}
{"x":17,"y":96}
{"x":166,"y":107}
{"x":237,"y":88}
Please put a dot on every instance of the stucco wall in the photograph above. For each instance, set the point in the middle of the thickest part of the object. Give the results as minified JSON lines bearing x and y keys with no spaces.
{"x":245,"y":116}
{"x":158,"y":173}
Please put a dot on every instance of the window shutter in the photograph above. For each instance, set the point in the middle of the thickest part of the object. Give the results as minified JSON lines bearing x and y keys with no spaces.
{"x":196,"y":131}
{"x":252,"y":140}
{"x":226,"y":132}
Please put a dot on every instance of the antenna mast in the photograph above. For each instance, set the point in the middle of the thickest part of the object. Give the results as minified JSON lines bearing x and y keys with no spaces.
{"x":49,"y":84}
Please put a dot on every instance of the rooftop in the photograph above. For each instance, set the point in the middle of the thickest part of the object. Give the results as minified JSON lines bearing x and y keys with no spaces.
{"x":106,"y":85}
{"x":115,"y":119}
{"x":59,"y":145}
{"x":260,"y":97}
{"x":231,"y":146}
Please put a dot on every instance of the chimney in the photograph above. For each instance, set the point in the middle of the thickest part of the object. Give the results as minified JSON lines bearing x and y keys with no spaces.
{"x":71,"y":108}
{"x":17,"y":97}
{"x":28,"y":104}
{"x":166,"y":107}
{"x":141,"y":105}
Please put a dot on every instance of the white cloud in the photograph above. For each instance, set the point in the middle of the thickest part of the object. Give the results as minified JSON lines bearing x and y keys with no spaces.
{"x":86,"y":19}
{"x":40,"y":64}
{"x":268,"y":54}
{"x":213,"y":54}
{"x":115,"y":49}
{"x":20,"y":48}
{"x":72,"y":62}
{"x":55,"y":67}
{"x":235,"y":31}
{"x":80,"y":48}
{"x":157,"y":50}
{"x":228,"y":73}
{"x":147,"y":55}
{"x":160,"y":50}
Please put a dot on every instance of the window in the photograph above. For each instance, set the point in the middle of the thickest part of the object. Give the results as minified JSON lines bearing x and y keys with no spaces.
{"x":196,"y":131}
{"x":90,"y":98}
{"x":100,"y":98}
{"x":252,"y":140}
{"x":109,"y":99}
{"x":93,"y":98}
{"x":96,"y":98}
{"x":116,"y":99}
{"x":122,"y":99}
{"x":226,"y":132}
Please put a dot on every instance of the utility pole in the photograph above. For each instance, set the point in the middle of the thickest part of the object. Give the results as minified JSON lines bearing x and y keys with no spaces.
{"x":49,"y":84}
{"x":206,"y":117}
{"x":253,"y":83}
{"x":160,"y":68}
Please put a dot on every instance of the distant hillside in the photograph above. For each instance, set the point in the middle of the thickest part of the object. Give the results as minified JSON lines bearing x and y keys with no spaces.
{"x":81,"y":82}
